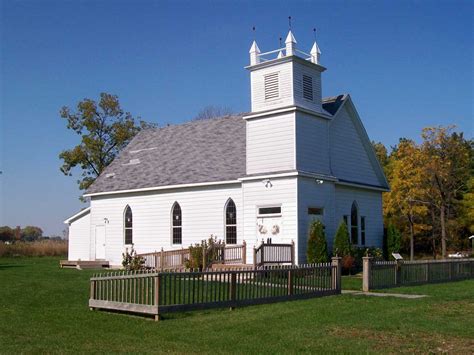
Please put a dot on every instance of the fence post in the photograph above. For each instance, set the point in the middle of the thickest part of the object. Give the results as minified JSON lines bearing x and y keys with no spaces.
{"x":157,"y":296}
{"x":203,"y":258}
{"x":292,"y":252}
{"x":233,"y":288}
{"x":398,"y":272}
{"x":92,"y":293}
{"x":254,"y":258}
{"x":244,"y":253}
{"x":366,"y":266}
{"x":162,"y":262}
{"x":290,"y":282}
{"x":182,"y":257}
{"x":155,"y":257}
{"x":336,"y":275}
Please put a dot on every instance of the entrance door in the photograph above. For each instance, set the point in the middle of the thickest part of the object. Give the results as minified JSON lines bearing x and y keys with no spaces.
{"x":100,"y":242}
{"x":269,"y":227}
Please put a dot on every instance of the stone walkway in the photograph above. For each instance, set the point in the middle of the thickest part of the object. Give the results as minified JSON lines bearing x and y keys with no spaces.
{"x":380,"y":294}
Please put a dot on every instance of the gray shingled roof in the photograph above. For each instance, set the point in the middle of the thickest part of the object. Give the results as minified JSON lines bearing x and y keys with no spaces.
{"x":197,"y":151}
{"x":193,"y":152}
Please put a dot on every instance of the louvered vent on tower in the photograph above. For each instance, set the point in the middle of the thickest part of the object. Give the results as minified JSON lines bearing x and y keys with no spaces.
{"x":272,"y":90}
{"x":308,"y":87}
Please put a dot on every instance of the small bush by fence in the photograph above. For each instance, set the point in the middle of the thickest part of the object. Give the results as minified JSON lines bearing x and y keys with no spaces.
{"x":384,"y":274}
{"x":155,"y":293}
{"x":37,"y":248}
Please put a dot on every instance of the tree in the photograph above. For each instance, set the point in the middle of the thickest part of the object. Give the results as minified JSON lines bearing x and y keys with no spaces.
{"x":342,"y":246}
{"x":317,"y":251}
{"x":467,"y":207}
{"x":213,"y":111}
{"x":447,"y":160}
{"x":105,"y":129}
{"x":6,"y":234}
{"x":405,"y":203}
{"x":394,"y":239}
{"x":31,"y":233}
{"x":382,"y":154}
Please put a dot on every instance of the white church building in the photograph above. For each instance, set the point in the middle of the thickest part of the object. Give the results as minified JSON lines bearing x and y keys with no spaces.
{"x":265,"y":174}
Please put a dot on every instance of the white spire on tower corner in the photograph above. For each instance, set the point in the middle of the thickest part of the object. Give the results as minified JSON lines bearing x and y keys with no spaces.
{"x":315,"y":53}
{"x":254,"y":53}
{"x":290,"y":43}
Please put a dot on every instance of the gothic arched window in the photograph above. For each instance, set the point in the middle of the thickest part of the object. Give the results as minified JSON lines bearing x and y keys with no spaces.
{"x":176,"y":223}
{"x":128,"y":225}
{"x":230,"y":222}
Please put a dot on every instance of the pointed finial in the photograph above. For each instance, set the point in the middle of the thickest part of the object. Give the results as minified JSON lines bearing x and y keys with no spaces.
{"x":254,"y":53}
{"x":290,"y":44}
{"x":315,"y":51}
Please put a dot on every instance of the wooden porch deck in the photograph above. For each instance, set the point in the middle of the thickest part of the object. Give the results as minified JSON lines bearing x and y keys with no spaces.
{"x":83,"y":264}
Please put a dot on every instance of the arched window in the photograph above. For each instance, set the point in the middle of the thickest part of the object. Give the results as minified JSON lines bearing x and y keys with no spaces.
{"x":177,"y":232}
{"x":230,"y":223}
{"x":128,"y":226}
{"x":354,"y":224}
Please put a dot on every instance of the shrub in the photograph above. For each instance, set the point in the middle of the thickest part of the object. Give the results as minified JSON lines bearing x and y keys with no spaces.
{"x":317,"y":251}
{"x":359,"y":252}
{"x":211,"y":246}
{"x":342,"y":246}
{"x":131,"y":261}
{"x":38,"y":248}
{"x":347,"y":264}
{"x":394,"y":240}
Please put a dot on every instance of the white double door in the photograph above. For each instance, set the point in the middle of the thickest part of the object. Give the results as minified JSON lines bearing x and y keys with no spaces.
{"x":269,"y":227}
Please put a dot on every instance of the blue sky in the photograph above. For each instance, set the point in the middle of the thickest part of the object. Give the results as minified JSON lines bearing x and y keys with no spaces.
{"x":406,"y":64}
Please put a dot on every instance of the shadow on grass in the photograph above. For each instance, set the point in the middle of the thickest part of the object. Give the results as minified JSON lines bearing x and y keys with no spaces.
{"x":9,"y":266}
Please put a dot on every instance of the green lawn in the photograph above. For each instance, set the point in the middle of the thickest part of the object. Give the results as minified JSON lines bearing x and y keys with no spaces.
{"x":44,"y":309}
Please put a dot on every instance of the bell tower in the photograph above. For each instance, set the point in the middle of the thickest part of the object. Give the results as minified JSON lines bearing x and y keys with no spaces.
{"x":285,"y":77}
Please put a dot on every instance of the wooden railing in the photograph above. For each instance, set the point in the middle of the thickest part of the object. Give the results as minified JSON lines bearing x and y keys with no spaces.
{"x":383,"y":274}
{"x":175,"y":259}
{"x":273,"y":254}
{"x":156,"y":293}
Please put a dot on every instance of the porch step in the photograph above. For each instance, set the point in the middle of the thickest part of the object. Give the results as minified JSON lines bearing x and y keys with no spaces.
{"x":82,"y":264}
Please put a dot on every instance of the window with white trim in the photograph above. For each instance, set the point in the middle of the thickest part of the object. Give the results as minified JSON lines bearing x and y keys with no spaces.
{"x":362,"y":230}
{"x":177,"y":231}
{"x":269,"y":211}
{"x":128,"y":226}
{"x":230,"y":223}
{"x":354,"y":224}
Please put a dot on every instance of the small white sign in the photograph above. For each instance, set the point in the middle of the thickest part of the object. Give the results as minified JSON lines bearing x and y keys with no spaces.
{"x":397,"y":256}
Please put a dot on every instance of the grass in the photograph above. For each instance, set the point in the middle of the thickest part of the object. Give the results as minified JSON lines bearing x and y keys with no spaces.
{"x":44,"y":309}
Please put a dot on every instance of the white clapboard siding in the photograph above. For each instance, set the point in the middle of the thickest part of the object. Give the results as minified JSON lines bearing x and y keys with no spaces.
{"x":281,"y":193}
{"x":285,"y":87}
{"x":349,"y":157}
{"x":271,"y":144}
{"x":312,"y":145}
{"x":202,"y":215}
{"x":79,"y":243}
{"x":299,"y":70}
{"x":369,"y":203}
{"x":312,"y":194}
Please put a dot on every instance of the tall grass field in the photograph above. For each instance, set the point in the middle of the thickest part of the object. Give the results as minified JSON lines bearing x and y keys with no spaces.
{"x":38,"y":248}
